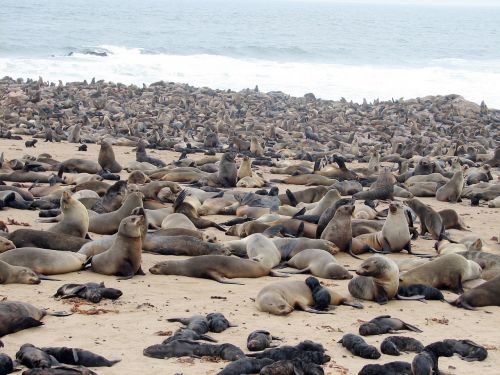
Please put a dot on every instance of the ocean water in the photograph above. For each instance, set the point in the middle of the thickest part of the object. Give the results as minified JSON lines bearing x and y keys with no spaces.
{"x":333,"y":50}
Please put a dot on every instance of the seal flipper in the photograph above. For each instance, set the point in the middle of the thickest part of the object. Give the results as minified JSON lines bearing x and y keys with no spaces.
{"x":277,"y":274}
{"x":299,"y":213}
{"x":140,"y":272}
{"x":180,"y":199}
{"x":217,"y":277}
{"x":350,"y":251}
{"x":296,"y":271}
{"x":291,"y":198}
{"x":273,"y":231}
{"x":381,"y":297}
{"x":314,"y":311}
{"x":126,"y":272}
{"x":44,"y":277}
{"x":24,"y":323}
{"x":410,"y":327}
{"x":356,"y":305}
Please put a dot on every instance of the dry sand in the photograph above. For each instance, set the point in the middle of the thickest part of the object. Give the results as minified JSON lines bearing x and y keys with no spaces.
{"x":134,"y":321}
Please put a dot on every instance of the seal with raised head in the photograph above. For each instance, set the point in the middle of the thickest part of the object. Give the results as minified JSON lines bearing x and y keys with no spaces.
{"x":108,"y":223}
{"x":378,"y":280}
{"x":227,"y":174}
{"x":107,"y":159}
{"x":75,"y":217}
{"x":123,"y":258}
{"x":394,"y":236}
{"x":452,"y":190}
{"x":430,"y":220}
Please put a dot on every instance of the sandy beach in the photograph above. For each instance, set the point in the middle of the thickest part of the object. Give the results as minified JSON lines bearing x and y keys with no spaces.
{"x":123,"y":328}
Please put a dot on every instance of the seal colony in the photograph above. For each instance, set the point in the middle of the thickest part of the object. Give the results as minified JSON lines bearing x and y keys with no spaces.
{"x":243,"y":188}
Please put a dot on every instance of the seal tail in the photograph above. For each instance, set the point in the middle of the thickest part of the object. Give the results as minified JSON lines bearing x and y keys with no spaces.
{"x":59,"y":313}
{"x":44,"y":277}
{"x":412,"y":327}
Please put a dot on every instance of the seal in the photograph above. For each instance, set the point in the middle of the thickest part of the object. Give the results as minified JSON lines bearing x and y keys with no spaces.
{"x":321,"y":296}
{"x":390,"y":368}
{"x":261,"y":249}
{"x":426,"y":362}
{"x":123,"y":258}
{"x":107,"y":160}
{"x":216,"y":267}
{"x":108,"y":223}
{"x":394,"y":236}
{"x":452,"y":190}
{"x":183,"y":348}
{"x":187,"y":205}
{"x":289,"y":247}
{"x":358,"y":346}
{"x":92,"y":292}
{"x":309,"y":195}
{"x":378,"y":280}
{"x":227,"y":174}
{"x":78,"y":166}
{"x":245,"y":169}
{"x":78,"y":357}
{"x":339,"y":231}
{"x":32,"y":357}
{"x":75,"y":217}
{"x":246,"y":366}
{"x":385,"y":324}
{"x":282,"y":298}
{"x":6,"y":244}
{"x":17,"y":275}
{"x":16,"y":316}
{"x":178,"y":245}
{"x":177,"y":221}
{"x":260,"y":340}
{"x":382,"y":188}
{"x":430,"y":220}
{"x":394,"y":345}
{"x":44,"y":261}
{"x":467,"y":350}
{"x":319,"y":263}
{"x":452,"y":220}
{"x":447,"y":271}
{"x":485,"y":294}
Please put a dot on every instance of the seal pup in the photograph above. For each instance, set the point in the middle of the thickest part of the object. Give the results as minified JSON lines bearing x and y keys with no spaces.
{"x":17,"y":275}
{"x":319,"y":263}
{"x":216,"y":267}
{"x":390,"y":368}
{"x":394,"y":345}
{"x":452,"y":190}
{"x":246,"y":366}
{"x":358,"y":346}
{"x":123,"y":258}
{"x":385,"y":324}
{"x":32,"y":357}
{"x":75,"y":217}
{"x":260,"y":340}
{"x":78,"y":357}
{"x":321,"y":296}
{"x":483,"y":295}
{"x":426,"y":362}
{"x":107,"y":160}
{"x":378,"y":280}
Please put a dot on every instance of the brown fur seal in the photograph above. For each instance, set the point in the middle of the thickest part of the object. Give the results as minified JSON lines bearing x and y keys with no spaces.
{"x":447,"y":271}
{"x":378,"y":280}
{"x":486,"y":294}
{"x":181,"y":245}
{"x":17,"y":275}
{"x":227,"y":174}
{"x":107,"y":159}
{"x":137,"y":177}
{"x":394,"y":236}
{"x":307,"y":179}
{"x":108,"y":223}
{"x":245,"y":169}
{"x":184,"y":204}
{"x":216,"y":267}
{"x":430,"y":220}
{"x":79,"y":166}
{"x":289,"y":247}
{"x":452,"y":220}
{"x":16,"y":316}
{"x":382,"y":188}
{"x":308,"y":195}
{"x":319,"y":263}
{"x":75,"y":217}
{"x":47,"y":262}
{"x":339,"y":231}
{"x":123,"y":258}
{"x":283,"y":297}
{"x":45,"y":240}
{"x":452,"y":190}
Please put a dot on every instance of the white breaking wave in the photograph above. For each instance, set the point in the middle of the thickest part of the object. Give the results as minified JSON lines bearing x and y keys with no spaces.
{"x":475,"y":81}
